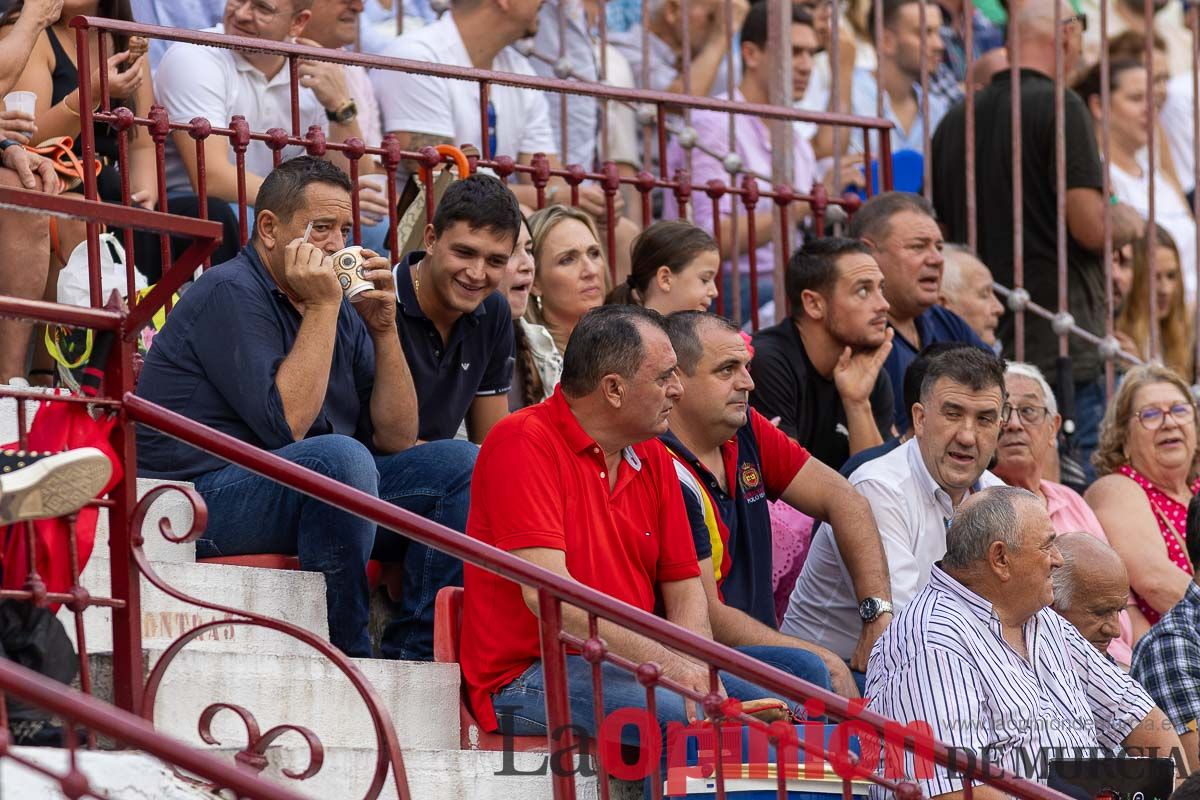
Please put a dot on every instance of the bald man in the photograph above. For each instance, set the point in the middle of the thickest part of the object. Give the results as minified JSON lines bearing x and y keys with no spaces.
{"x":966,"y":289}
{"x":1091,"y":588}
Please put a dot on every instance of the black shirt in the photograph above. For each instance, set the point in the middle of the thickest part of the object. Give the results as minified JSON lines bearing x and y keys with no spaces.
{"x":810,"y":409}
{"x":476,"y":360}
{"x":993,"y":181}
{"x":215,"y":359}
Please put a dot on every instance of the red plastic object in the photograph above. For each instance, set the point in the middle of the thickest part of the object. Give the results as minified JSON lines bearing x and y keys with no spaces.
{"x":447,"y":626}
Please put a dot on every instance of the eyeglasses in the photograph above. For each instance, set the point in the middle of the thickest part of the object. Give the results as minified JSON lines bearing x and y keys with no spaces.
{"x":1080,"y":18}
{"x":1030,"y":415}
{"x":1153,"y":417}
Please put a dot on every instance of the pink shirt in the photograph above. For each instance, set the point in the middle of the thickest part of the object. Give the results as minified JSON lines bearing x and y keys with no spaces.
{"x":1069,"y":513}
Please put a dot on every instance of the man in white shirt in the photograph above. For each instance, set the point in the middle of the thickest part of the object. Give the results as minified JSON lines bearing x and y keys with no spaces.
{"x":913,"y":491}
{"x":980,"y":658}
{"x":422,"y":110}
{"x":196,"y":81}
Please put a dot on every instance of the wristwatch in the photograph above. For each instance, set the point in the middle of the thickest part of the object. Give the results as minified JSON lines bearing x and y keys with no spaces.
{"x":7,"y":143}
{"x":343,"y":113}
{"x":872,"y":608}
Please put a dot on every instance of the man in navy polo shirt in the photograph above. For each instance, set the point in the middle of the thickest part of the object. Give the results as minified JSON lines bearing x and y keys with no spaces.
{"x":731,"y":460}
{"x":457,"y":335}
{"x":906,"y":241}
{"x":264,"y":348}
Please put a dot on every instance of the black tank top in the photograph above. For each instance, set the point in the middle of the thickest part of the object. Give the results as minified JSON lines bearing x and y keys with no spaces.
{"x":65,"y":79}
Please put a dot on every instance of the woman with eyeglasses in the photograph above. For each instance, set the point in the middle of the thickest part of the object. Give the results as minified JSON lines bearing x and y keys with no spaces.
{"x":1147,"y":461}
{"x":1025,"y":447}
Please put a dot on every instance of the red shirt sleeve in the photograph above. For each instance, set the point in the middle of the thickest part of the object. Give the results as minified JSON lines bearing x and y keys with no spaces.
{"x":513,"y":514}
{"x":677,"y":552}
{"x":780,"y":456}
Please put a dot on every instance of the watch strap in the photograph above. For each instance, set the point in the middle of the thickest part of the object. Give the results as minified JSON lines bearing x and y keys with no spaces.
{"x":7,"y":143}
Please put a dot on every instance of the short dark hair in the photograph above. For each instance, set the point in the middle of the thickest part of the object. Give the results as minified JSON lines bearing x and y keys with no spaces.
{"x":754,"y":27}
{"x":814,"y":267}
{"x":968,"y":366}
{"x":890,"y":9}
{"x":684,"y":329}
{"x":481,"y":201}
{"x":873,"y":219}
{"x":282,"y":191}
{"x":606,"y":340}
{"x":914,"y":375}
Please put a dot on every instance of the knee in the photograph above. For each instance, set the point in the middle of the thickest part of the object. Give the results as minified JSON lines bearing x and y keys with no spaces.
{"x":454,"y":460}
{"x":342,"y":458}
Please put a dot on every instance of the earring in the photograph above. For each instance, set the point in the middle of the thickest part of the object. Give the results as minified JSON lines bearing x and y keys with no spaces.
{"x":537,"y":301}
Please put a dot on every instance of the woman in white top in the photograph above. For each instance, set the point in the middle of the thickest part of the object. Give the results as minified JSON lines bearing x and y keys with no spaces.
{"x":1129,"y":170}
{"x":570,"y":278}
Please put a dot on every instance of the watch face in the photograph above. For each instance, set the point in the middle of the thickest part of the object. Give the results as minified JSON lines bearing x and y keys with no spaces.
{"x":868,"y":609}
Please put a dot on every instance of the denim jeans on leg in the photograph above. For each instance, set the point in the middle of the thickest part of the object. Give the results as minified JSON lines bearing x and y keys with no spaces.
{"x":521,"y":705}
{"x":250,"y":514}
{"x":1089,"y":410}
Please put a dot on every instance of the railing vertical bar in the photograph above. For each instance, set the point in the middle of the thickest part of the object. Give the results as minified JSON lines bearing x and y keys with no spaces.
{"x":647,"y":147}
{"x":1151,"y":170}
{"x":563,"y":116}
{"x":558,"y":707}
{"x":1060,"y":178}
{"x":202,"y":191}
{"x":1018,"y":233}
{"x":835,"y":93}
{"x":1106,"y":184}
{"x":485,"y":143}
{"x":925,"y":66}
{"x":656,"y":774}
{"x":87,"y":138}
{"x":127,"y":235}
{"x":968,"y":23}
{"x":101,"y":62}
{"x":598,"y":705}
{"x":22,"y":427}
{"x":294,"y":88}
{"x":85,"y":672}
{"x":661,"y":112}
{"x":602,"y":21}
{"x":355,"y":203}
{"x":1194,"y":25}
{"x":722,"y":266}
{"x":868,"y":168}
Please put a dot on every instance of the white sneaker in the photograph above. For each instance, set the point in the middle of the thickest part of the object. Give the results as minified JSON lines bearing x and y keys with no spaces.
{"x":40,"y":485}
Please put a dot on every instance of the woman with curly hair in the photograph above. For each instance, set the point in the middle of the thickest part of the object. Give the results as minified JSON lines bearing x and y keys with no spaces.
{"x":1147,"y":460}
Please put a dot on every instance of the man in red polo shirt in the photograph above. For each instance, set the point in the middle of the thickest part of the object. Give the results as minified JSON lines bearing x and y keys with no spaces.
{"x":579,"y":485}
{"x":731,"y":460}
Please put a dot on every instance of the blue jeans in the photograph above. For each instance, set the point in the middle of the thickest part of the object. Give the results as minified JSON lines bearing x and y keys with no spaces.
{"x":250,"y":514}
{"x":1090,"y":401}
{"x":766,"y":292}
{"x":521,"y":705}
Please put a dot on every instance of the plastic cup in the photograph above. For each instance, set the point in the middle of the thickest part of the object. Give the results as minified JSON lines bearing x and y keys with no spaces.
{"x":20,"y":101}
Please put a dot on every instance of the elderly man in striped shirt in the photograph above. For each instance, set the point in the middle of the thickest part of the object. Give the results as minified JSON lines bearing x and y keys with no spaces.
{"x":980,"y":657}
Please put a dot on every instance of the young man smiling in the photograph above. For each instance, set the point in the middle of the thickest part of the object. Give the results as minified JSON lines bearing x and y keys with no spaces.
{"x":456,"y":329}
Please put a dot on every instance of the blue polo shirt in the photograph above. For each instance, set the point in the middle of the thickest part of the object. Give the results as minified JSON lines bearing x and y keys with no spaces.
{"x":760,"y":462}
{"x":476,"y":360}
{"x":936,"y":325}
{"x":215,"y":362}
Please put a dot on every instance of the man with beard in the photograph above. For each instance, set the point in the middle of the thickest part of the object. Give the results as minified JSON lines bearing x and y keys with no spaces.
{"x":903,"y":234}
{"x":821,"y":372}
{"x":914,"y":492}
{"x":730,"y":460}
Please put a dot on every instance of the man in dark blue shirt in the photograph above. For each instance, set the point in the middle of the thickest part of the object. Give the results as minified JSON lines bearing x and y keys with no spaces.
{"x":906,"y":241}
{"x":265,"y":349}
{"x":455,"y":327}
{"x":730,"y":461}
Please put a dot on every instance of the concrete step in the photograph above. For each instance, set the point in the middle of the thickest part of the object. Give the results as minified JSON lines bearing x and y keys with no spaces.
{"x":116,"y":775}
{"x":172,"y":506}
{"x":445,"y":774}
{"x":289,"y":595}
{"x":302,"y":688}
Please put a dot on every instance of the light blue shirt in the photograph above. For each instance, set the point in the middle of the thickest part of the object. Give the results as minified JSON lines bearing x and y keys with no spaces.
{"x":863,"y":104}
{"x":193,"y":15}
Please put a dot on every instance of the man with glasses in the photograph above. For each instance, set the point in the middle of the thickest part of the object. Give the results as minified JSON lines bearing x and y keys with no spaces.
{"x":1026,"y":446}
{"x":914,"y":492}
{"x":216,"y":84}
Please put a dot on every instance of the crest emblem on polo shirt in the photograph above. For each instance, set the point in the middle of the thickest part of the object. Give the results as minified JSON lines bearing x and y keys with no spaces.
{"x":750,"y":477}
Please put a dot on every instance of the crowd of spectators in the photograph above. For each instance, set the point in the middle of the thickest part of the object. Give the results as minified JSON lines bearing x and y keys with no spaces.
{"x":512,"y":377}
